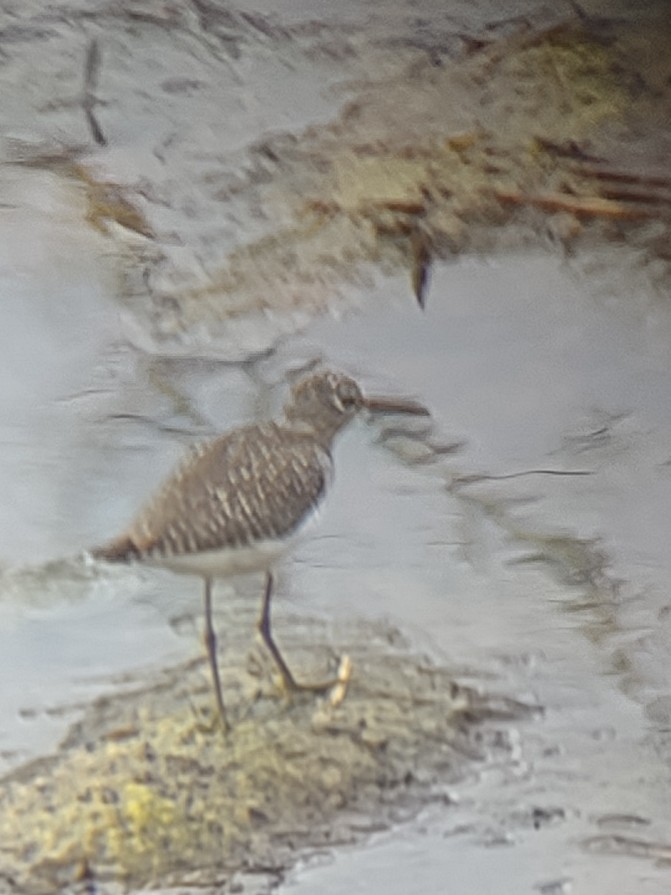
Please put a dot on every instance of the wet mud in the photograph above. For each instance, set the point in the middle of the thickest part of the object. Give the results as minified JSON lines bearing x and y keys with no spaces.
{"x":522,"y":132}
{"x":147,"y":790}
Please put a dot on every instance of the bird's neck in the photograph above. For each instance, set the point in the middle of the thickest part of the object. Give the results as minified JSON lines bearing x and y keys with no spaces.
{"x":322,"y":433}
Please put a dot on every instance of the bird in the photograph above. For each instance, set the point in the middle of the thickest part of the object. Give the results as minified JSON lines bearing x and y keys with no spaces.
{"x":236,"y":502}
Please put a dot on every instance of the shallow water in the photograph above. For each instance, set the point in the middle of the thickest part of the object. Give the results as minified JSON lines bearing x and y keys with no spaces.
{"x":530,"y":579}
{"x":532,"y":586}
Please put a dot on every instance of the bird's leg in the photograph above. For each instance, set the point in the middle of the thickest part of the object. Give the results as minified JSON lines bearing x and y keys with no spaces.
{"x":288,"y":679}
{"x":264,"y":630}
{"x":211,"y":646}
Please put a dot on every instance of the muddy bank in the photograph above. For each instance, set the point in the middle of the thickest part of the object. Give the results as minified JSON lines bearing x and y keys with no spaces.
{"x":417,"y":144}
{"x":146,"y":790}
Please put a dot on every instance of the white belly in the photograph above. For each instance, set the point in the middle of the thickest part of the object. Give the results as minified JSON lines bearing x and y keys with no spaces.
{"x":223,"y":563}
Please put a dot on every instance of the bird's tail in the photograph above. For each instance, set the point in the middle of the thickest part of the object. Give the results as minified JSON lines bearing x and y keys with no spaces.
{"x":121,"y":549}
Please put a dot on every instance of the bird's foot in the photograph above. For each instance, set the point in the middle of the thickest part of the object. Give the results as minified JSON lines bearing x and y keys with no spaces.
{"x":210,"y":722}
{"x":336,"y":687}
{"x":339,"y":691}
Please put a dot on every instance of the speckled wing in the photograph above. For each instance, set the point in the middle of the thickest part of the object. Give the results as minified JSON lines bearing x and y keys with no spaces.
{"x":250,"y":485}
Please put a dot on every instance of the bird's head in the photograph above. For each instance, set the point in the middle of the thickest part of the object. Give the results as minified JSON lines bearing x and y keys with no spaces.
{"x":326,"y":401}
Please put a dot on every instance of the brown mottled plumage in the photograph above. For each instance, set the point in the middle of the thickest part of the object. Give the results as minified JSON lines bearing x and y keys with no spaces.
{"x":231,"y":492}
{"x":235,"y":502}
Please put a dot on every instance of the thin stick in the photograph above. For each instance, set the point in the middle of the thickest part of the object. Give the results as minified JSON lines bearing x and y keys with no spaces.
{"x":89,"y":99}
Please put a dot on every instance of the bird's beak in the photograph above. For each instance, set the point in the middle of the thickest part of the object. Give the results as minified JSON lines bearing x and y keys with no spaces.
{"x":395,"y":405}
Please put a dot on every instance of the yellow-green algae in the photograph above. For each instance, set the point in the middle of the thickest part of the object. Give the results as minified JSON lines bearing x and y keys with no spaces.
{"x":144,"y":792}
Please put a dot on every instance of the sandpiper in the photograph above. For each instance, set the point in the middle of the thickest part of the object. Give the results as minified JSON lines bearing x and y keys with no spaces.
{"x":236,"y":502}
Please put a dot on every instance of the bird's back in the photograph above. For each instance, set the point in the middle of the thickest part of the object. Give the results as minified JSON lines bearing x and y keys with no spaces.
{"x":254,"y":484}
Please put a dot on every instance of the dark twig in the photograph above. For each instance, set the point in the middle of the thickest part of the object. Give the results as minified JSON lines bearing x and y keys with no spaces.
{"x":89,"y":99}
